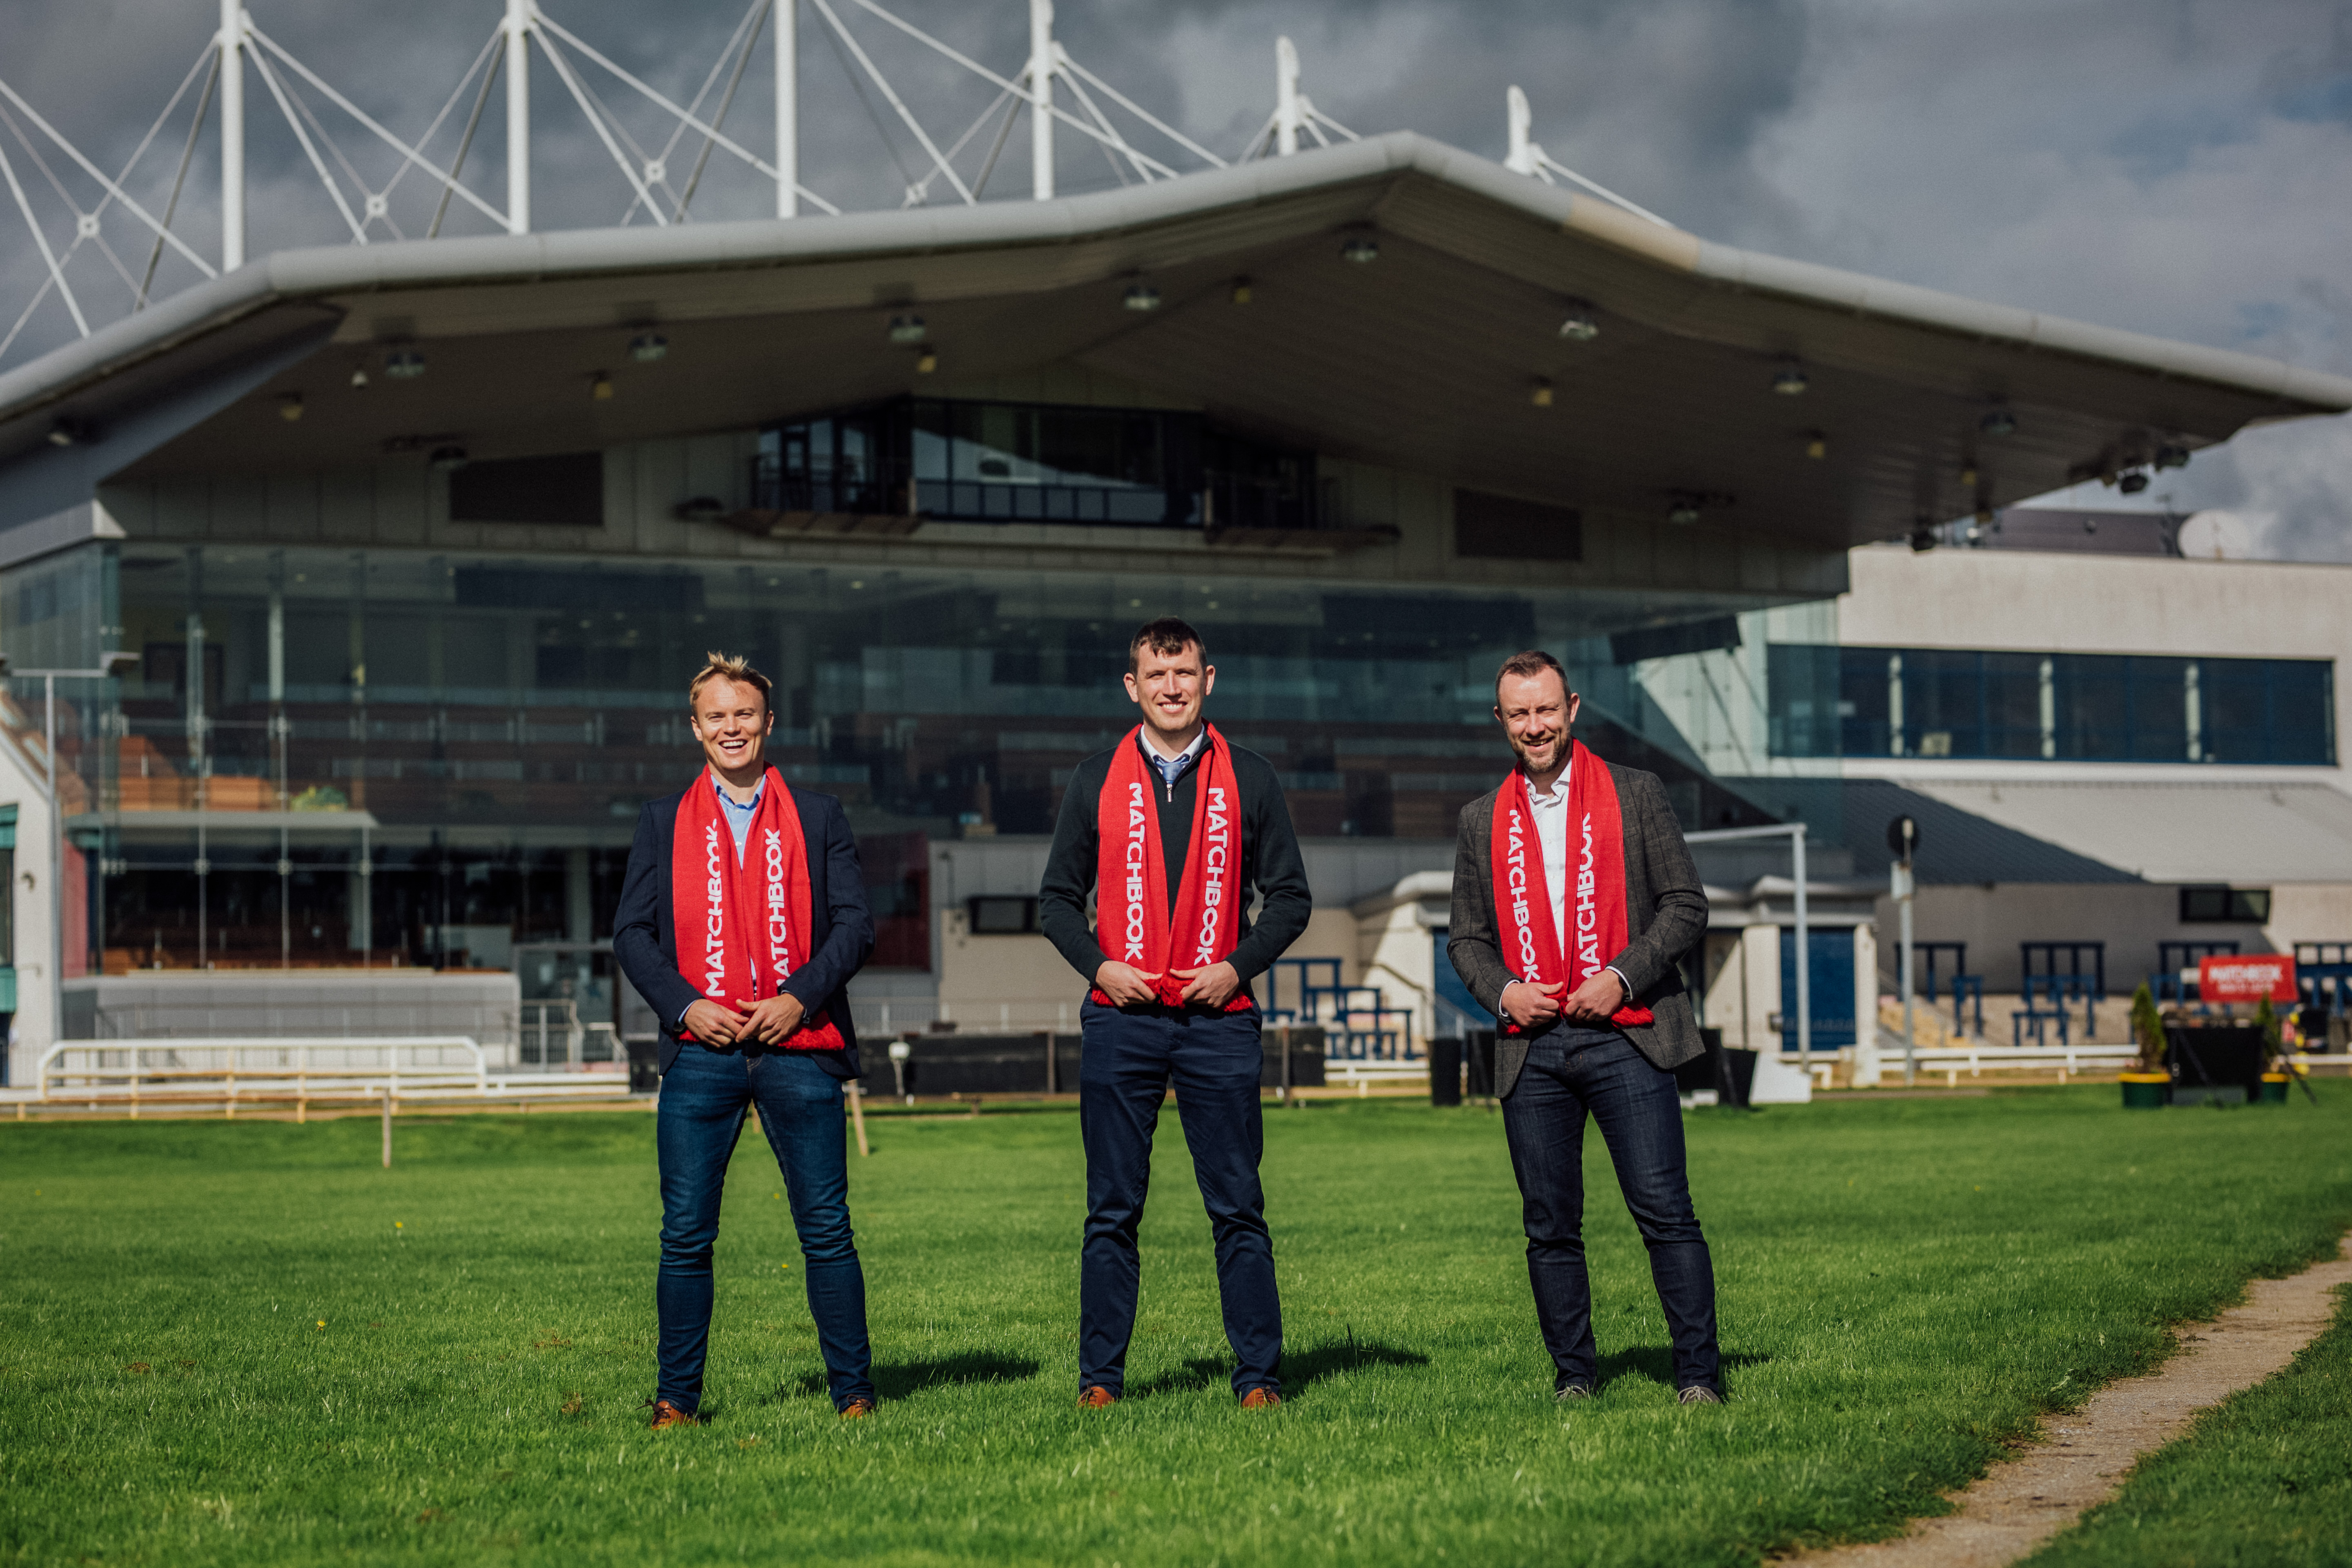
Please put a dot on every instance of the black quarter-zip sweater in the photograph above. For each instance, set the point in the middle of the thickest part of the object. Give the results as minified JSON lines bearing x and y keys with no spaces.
{"x":1271,"y":864}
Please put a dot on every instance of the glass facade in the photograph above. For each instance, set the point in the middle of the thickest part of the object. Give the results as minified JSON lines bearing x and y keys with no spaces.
{"x":974,"y":461}
{"x":329,"y":756}
{"x":1828,"y":701}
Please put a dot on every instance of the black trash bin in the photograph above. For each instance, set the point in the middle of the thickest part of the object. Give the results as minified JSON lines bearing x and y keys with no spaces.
{"x":1480,"y":1044}
{"x":644,"y":1067}
{"x":1445,"y":1071}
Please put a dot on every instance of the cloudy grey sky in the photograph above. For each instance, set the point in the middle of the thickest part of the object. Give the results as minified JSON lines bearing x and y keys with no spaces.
{"x":2182,"y":167}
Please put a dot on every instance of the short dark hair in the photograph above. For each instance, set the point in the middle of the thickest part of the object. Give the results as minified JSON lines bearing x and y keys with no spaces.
{"x":1532,"y":661}
{"x":1166,"y":635}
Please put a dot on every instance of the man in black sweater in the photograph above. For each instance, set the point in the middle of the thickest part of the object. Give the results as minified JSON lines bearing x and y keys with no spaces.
{"x":1148,"y":827}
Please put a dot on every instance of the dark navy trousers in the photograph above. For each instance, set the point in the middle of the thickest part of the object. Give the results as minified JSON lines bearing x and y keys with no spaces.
{"x":1570,"y":1072}
{"x":705,"y":1097}
{"x":1215,"y":1061}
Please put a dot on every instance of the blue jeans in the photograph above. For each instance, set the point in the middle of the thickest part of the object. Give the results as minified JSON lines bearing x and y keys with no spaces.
{"x":704,"y":1097}
{"x":1641,"y":1120}
{"x":1215,"y":1061}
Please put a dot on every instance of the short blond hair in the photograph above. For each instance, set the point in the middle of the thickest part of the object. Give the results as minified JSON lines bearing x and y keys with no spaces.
{"x":732,"y":667}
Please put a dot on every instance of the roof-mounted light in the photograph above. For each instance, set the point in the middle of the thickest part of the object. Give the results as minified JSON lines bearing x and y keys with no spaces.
{"x":1141,"y":297}
{"x":647,"y":347}
{"x":1362,"y":250}
{"x":908,"y":329}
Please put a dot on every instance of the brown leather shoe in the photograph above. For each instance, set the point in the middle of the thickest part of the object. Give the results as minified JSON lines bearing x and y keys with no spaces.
{"x":1097,"y":1397}
{"x":857,"y":1409}
{"x":667,"y":1415}
{"x":1261,"y":1399}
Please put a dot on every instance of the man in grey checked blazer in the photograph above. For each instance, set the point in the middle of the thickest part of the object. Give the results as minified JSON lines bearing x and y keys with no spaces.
{"x":1570,"y":1060}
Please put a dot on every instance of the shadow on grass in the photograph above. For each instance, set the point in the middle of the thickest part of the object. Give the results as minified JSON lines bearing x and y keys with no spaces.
{"x":1300,"y":1368}
{"x":899,"y":1382}
{"x":1656,"y":1362}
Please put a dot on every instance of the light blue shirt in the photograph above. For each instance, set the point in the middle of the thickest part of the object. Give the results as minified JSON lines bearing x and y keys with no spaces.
{"x":739,"y":818}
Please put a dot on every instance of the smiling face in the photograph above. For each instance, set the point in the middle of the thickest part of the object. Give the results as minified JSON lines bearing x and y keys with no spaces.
{"x":1169,"y":688}
{"x":1537,"y":712}
{"x":731,"y":719}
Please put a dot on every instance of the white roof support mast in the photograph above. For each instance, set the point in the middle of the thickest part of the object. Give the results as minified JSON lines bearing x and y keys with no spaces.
{"x":1040,"y":79}
{"x":787,"y":24}
{"x":518,"y":50}
{"x":1527,"y":156}
{"x":1288,"y":116}
{"x":231,"y":131}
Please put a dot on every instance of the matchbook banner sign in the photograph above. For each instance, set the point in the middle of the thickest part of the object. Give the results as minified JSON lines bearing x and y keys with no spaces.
{"x":2230,"y":978}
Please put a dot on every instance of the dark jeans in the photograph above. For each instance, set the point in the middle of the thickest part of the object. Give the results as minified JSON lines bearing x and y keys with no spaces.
{"x":1641,"y":1120}
{"x":704,"y":1097}
{"x":1126,"y":1068}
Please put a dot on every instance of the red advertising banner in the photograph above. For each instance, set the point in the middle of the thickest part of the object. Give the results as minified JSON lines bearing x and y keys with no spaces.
{"x":2230,"y":978}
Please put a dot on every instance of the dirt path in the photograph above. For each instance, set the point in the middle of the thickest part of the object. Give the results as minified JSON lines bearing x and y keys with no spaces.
{"x":2026,"y":1500}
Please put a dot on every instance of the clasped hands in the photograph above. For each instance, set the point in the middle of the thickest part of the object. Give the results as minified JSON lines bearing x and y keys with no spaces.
{"x":1210,"y":986}
{"x":1531,"y":1007}
{"x":770,"y":1021}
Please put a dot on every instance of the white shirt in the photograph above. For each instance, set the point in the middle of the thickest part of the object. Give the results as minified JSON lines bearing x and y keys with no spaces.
{"x":1170,"y":769}
{"x":1550,"y":809}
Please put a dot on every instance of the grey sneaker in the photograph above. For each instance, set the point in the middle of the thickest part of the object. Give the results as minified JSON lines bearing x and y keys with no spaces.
{"x":1571,"y":1394}
{"x":1698,"y":1394}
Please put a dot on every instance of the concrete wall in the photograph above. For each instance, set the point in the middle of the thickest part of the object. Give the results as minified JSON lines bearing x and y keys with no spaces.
{"x":31,"y":908}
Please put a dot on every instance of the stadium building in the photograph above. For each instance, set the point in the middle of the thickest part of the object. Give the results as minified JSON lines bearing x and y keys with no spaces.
{"x":415,"y":543}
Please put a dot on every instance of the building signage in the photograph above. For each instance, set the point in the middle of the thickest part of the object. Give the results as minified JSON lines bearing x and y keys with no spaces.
{"x":2230,"y":978}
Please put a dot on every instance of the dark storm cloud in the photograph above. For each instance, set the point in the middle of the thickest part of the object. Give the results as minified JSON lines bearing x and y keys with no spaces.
{"x":2173,"y":166}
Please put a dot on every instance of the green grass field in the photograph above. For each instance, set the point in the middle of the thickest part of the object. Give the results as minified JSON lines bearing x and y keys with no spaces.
{"x":2264,"y":1481}
{"x":246,"y":1343}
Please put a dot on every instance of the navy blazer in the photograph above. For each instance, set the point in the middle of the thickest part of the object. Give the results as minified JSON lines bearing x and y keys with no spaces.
{"x":644,"y":937}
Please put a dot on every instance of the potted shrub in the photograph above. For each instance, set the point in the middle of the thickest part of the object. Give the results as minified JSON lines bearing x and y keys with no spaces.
{"x":2274,"y":1052}
{"x":2147,"y":1084}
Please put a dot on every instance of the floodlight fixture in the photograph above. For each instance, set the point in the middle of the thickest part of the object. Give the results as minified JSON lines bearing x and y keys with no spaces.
{"x":1539,"y":393}
{"x":69,"y":432}
{"x":1141,"y":297}
{"x":445,"y":459}
{"x":2172,"y":456}
{"x":600,"y":386}
{"x":1817,"y":446}
{"x":1999,"y":421}
{"x":1580,"y":327}
{"x":289,"y":407}
{"x":2131,"y":484}
{"x":1362,"y":250}
{"x":403,"y":364}
{"x":927,"y":361}
{"x":908,"y":329}
{"x":647,"y":347}
{"x":1790,"y":382}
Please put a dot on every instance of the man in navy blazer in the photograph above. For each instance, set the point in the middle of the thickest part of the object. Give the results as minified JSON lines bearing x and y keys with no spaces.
{"x":719,"y":1060}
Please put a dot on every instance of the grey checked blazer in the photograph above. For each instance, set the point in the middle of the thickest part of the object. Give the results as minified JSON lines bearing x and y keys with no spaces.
{"x":1665,"y":916}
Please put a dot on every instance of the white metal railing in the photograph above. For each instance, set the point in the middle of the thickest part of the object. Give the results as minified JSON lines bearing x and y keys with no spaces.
{"x":230,"y":1072}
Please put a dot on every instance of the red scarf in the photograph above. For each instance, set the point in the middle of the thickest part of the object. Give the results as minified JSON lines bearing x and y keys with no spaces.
{"x":738,"y":935}
{"x":1132,"y":923}
{"x":1531,"y":941}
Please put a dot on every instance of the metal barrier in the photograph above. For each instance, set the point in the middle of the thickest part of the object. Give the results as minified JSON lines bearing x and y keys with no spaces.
{"x":135,"y":1074}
